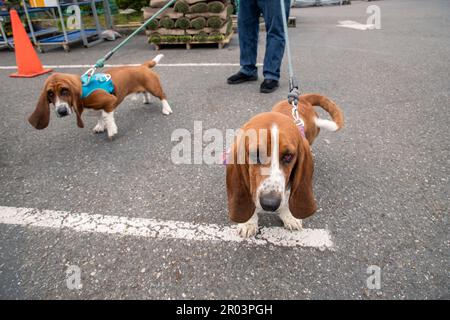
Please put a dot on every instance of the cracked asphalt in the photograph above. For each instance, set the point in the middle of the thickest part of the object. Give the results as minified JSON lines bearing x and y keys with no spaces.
{"x":382,"y":183}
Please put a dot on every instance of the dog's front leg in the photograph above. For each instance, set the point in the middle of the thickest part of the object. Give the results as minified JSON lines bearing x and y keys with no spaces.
{"x":249,"y":228}
{"x":110,"y":123}
{"x":105,"y":104}
{"x":289,"y":221}
{"x":166,"y":109}
{"x":100,"y":127}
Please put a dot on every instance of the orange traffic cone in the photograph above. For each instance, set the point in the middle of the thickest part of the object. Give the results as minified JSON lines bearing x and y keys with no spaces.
{"x":27,"y":61}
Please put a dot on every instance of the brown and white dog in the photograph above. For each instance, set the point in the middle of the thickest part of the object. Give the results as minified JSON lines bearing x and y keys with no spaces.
{"x":62,"y":92}
{"x":276,"y":171}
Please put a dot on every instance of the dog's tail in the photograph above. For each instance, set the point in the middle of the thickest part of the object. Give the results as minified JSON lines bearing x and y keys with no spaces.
{"x":330,"y":107}
{"x":153,"y":62}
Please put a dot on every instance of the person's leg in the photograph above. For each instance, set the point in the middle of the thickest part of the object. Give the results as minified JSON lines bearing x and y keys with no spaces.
{"x":275,"y":41}
{"x":248,"y":28}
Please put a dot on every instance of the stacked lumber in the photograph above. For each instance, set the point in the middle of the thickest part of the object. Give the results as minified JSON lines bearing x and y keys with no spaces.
{"x":190,"y":21}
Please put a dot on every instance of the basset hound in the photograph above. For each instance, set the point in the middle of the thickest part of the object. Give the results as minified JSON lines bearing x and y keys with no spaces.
{"x":270,"y":165}
{"x":68,"y":93}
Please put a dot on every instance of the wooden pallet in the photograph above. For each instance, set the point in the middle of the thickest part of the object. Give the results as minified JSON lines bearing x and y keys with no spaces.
{"x":126,"y":29}
{"x":292,"y":23}
{"x":220,"y":44}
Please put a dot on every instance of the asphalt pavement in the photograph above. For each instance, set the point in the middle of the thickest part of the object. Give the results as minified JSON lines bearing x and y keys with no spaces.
{"x":381,"y":184}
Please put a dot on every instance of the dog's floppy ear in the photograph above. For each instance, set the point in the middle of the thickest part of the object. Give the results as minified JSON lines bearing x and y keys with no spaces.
{"x":301,"y":200}
{"x":79,"y":111}
{"x":240,"y":204}
{"x":76,"y":99}
{"x":41,"y":115}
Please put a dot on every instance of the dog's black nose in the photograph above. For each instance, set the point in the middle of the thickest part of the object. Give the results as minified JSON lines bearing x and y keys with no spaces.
{"x":62,"y":111}
{"x":270,"y":201}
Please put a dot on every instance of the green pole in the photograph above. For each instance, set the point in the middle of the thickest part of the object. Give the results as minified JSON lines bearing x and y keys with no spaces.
{"x":101,"y":62}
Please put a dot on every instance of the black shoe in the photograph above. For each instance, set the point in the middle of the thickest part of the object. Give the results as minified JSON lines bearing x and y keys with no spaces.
{"x":268,"y":86}
{"x":240,"y":78}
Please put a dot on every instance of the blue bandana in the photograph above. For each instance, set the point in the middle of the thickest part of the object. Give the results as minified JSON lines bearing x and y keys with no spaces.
{"x":98,"y":81}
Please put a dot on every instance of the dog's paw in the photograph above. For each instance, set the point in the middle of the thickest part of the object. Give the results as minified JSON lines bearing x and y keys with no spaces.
{"x":247,"y":230}
{"x":166,"y":109}
{"x":112,"y":131}
{"x":292,"y":223}
{"x":112,"y":135}
{"x":99,"y":128}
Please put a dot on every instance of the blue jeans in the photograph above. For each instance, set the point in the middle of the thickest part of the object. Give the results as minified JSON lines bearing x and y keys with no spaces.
{"x":248,"y":27}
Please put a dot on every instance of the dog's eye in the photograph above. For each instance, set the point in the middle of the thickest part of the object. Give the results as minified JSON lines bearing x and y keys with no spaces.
{"x":50,"y":94}
{"x":287,"y":158}
{"x":65,"y":92}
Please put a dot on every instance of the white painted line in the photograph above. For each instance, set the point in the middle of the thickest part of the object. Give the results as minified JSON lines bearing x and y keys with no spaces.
{"x":81,"y":66}
{"x":160,"y":229}
{"x":355,"y":25}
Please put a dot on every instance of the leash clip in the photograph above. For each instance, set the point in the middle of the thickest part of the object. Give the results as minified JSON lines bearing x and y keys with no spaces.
{"x":293,"y":97}
{"x":89,"y":74}
{"x":294,"y":93}
{"x":297,"y":119}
